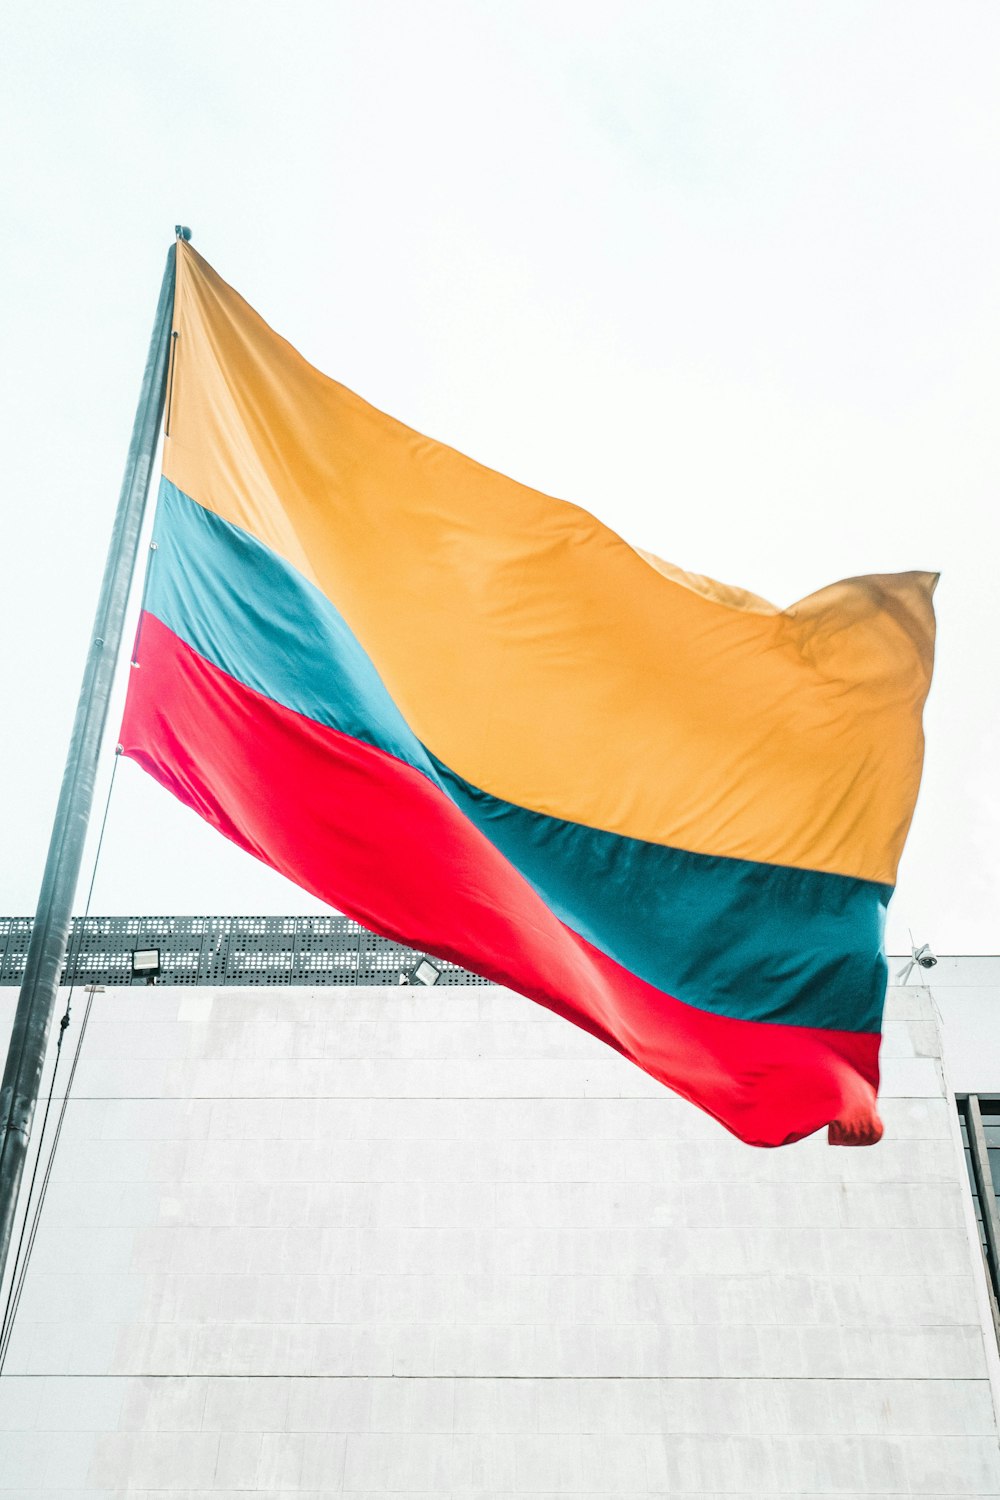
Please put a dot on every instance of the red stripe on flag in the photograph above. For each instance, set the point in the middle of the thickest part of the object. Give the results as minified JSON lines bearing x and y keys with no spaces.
{"x":377,"y":840}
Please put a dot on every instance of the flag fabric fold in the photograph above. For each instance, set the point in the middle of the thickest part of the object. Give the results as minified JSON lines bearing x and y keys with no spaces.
{"x":472,"y":717}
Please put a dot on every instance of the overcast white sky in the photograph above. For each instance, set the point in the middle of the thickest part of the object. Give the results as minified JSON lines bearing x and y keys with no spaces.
{"x":727,"y":274}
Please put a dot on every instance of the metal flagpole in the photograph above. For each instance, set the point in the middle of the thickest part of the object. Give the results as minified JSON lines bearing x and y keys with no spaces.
{"x":50,"y":932}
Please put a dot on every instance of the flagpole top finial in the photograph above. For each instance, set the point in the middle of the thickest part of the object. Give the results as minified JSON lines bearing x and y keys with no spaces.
{"x":182,"y":232}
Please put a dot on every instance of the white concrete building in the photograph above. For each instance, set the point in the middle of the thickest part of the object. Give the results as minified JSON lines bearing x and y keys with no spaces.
{"x":362,"y":1242}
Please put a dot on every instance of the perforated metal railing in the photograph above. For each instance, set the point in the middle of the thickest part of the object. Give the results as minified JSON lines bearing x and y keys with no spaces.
{"x":224,"y":951}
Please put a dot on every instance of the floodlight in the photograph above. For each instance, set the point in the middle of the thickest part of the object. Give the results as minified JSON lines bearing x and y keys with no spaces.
{"x":424,"y":971}
{"x":145,"y":964}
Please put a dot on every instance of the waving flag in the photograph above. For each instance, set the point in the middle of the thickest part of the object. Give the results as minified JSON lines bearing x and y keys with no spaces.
{"x":479,"y":722}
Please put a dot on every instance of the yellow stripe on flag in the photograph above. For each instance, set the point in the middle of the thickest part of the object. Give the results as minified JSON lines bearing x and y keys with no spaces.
{"x":536,"y":653}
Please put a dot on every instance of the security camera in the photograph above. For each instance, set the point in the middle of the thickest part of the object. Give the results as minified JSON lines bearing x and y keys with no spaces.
{"x":924,"y":956}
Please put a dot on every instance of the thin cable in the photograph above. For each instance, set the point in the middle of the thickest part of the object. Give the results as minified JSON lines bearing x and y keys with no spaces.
{"x":170,"y":382}
{"x":31,"y":1188}
{"x":151,"y":554}
{"x":14,"y":1296}
{"x":20,"y":1268}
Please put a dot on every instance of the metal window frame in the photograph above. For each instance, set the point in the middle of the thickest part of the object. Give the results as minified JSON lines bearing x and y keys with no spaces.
{"x":970,"y":1111}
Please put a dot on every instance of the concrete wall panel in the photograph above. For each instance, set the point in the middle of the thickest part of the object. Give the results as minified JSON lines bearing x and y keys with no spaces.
{"x":363,"y":1243}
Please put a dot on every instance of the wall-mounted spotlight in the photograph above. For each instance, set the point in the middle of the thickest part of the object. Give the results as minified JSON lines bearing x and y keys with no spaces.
{"x":145,"y":964}
{"x":424,"y":971}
